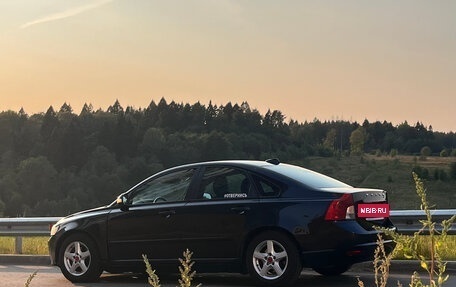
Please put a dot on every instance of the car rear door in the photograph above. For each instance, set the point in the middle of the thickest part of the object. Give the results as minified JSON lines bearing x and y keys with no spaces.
{"x":220,"y":213}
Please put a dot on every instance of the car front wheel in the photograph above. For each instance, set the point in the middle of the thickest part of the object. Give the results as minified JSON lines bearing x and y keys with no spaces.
{"x":79,"y":260}
{"x":273,"y":259}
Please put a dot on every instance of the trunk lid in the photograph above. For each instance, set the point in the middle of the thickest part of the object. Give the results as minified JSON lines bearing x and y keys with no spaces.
{"x":364,"y":199}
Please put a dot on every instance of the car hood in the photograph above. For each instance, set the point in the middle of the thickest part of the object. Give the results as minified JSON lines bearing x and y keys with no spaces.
{"x":83,"y":214}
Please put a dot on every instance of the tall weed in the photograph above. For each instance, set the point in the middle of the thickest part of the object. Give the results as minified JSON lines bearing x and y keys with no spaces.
{"x":434,"y":266}
{"x":29,"y":280}
{"x":185,"y":271}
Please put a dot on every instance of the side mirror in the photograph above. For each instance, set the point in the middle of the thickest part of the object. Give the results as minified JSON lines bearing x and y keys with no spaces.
{"x":122,"y":202}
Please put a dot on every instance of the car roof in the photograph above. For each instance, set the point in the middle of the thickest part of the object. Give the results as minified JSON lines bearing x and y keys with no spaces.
{"x":298,"y":174}
{"x":247,"y":164}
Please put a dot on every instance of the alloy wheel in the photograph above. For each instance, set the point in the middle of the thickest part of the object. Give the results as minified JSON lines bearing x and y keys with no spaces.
{"x":270,"y":259}
{"x":77,"y":258}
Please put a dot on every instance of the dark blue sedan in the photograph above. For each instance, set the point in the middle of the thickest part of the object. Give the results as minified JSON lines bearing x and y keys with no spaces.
{"x":268,"y":219}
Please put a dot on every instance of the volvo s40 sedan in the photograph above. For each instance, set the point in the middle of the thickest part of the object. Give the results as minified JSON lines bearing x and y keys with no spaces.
{"x":268,"y":219}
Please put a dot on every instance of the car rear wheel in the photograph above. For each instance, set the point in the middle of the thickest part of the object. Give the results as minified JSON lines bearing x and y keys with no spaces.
{"x":332,"y":270}
{"x":273,"y":259}
{"x":79,"y":260}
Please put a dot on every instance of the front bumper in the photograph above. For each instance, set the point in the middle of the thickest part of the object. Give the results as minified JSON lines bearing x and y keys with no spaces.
{"x":52,"y":250}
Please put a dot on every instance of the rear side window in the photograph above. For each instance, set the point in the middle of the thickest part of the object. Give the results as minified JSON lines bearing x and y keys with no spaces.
{"x":225,"y":183}
{"x":266,"y":188}
{"x":308,"y":177}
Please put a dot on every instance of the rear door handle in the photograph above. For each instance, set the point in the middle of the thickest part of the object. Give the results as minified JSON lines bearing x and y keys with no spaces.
{"x":167,"y":213}
{"x":240,"y":209}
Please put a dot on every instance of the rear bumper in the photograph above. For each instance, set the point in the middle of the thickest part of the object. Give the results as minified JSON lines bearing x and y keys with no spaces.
{"x":349,"y":256}
{"x":343,"y":242}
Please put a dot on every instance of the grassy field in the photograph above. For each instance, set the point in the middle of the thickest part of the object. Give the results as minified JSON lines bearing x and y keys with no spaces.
{"x":391,"y":174}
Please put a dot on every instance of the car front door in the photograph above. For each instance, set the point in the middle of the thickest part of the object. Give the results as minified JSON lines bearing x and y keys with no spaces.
{"x":150,"y":221}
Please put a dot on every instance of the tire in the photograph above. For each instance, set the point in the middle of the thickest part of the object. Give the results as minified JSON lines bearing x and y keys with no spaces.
{"x":79,"y":259}
{"x":332,"y":270}
{"x":273,"y":259}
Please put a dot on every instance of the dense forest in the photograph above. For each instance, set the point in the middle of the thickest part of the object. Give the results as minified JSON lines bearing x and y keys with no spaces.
{"x":59,"y":162}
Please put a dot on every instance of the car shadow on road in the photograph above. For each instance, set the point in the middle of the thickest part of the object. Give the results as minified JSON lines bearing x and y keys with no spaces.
{"x":219,"y":280}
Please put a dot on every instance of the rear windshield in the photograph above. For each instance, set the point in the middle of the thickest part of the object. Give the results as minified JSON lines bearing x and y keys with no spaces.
{"x":308,"y":177}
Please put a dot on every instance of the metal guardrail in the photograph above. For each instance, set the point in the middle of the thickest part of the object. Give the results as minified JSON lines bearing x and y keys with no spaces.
{"x":406,"y":221}
{"x":26,"y":226}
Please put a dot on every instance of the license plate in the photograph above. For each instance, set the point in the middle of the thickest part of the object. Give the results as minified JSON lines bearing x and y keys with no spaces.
{"x":373,"y":210}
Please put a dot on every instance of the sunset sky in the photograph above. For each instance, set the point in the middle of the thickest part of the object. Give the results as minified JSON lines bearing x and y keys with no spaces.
{"x":351,"y":60}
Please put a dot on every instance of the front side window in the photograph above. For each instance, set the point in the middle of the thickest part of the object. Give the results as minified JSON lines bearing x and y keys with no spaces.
{"x":225,"y":183}
{"x":170,"y":187}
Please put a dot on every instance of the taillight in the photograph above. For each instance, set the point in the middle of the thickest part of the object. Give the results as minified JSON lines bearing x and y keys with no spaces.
{"x":341,"y":208}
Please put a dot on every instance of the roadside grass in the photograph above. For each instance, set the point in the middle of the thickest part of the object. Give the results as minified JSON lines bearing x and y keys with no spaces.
{"x":448,"y":248}
{"x":38,"y":246}
{"x":30,"y":245}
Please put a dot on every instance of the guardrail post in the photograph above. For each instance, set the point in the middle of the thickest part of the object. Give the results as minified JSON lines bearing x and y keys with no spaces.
{"x":18,"y":245}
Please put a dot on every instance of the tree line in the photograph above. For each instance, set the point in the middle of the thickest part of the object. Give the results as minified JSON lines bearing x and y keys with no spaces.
{"x":59,"y":162}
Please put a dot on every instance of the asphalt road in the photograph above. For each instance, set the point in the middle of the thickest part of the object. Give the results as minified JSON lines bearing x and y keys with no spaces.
{"x":48,"y":276}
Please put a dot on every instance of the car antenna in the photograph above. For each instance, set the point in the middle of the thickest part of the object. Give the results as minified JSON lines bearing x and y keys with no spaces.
{"x":274,"y":161}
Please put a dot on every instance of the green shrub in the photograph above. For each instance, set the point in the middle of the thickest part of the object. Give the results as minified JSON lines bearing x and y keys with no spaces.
{"x":453,"y":170}
{"x":422,"y":172}
{"x":393,"y":152}
{"x":440,"y":174}
{"x":444,"y":153}
{"x":425,"y":151}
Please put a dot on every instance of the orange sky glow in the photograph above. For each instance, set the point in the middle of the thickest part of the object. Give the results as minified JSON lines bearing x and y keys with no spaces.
{"x":387,"y":60}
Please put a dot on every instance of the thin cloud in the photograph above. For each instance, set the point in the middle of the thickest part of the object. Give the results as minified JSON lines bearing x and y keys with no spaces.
{"x":230,"y":10}
{"x":66,"y":14}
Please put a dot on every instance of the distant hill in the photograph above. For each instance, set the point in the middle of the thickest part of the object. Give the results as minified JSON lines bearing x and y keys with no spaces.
{"x":58,"y":162}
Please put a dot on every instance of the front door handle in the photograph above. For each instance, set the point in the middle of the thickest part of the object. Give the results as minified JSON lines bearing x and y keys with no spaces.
{"x":167,"y":213}
{"x":240,"y":209}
